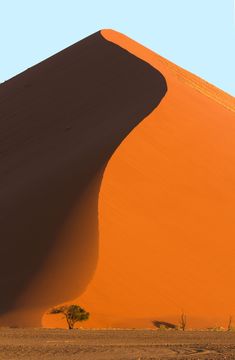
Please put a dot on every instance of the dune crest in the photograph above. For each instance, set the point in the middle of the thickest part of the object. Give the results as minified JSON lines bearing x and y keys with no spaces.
{"x":166,"y":210}
{"x":60,"y":122}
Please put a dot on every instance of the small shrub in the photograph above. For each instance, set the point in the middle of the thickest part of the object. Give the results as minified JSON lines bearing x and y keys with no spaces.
{"x":163,"y":325}
{"x":216,"y":328}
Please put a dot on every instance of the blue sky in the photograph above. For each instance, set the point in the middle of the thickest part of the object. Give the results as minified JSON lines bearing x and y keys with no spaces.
{"x":198,"y":35}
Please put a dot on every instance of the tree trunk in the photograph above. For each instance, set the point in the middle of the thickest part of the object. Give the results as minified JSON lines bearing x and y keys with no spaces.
{"x":229,"y":323}
{"x":70,"y":324}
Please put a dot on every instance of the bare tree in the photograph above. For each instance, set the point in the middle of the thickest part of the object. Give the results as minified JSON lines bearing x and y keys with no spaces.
{"x":183,"y":321}
{"x":230,"y":320}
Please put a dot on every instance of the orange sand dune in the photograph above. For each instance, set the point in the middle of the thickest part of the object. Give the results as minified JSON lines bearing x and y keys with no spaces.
{"x":166,"y":203}
{"x":60,"y":122}
{"x":167,"y":211}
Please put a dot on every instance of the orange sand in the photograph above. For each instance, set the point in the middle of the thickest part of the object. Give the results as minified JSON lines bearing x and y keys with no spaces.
{"x":49,"y":197}
{"x":167,"y":211}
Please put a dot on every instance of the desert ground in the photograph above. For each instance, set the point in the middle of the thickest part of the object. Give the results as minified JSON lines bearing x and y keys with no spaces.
{"x":47,"y":344}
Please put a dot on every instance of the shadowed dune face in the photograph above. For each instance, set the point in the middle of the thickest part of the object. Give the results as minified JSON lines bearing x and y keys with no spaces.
{"x":60,"y":122}
{"x":167,"y":211}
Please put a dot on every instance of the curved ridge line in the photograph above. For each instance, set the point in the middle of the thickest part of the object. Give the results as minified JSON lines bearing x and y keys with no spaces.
{"x":205,"y":88}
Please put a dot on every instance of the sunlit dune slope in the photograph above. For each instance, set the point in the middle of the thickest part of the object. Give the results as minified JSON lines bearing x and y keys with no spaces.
{"x":60,"y":121}
{"x":167,"y":210}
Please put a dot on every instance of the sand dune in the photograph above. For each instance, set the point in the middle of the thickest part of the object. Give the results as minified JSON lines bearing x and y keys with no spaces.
{"x":166,"y":210}
{"x":60,"y":121}
{"x":162,"y":241}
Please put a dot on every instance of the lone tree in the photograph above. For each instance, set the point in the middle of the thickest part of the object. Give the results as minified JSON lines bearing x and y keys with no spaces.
{"x":183,"y":321}
{"x":72,"y":314}
{"x":230,"y":320}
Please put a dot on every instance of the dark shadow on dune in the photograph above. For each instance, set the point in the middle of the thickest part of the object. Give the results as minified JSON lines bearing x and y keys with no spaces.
{"x":60,"y":121}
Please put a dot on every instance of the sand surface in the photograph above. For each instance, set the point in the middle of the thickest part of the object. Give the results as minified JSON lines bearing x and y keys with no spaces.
{"x":158,"y":224}
{"x":167,"y":210}
{"x":60,"y":121}
{"x":33,"y":344}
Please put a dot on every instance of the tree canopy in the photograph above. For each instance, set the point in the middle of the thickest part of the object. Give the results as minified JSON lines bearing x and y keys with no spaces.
{"x":72,"y":313}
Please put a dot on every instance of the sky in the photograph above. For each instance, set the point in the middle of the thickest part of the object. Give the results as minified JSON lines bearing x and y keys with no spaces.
{"x":198,"y":35}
